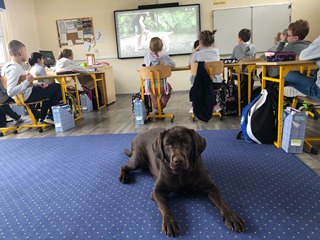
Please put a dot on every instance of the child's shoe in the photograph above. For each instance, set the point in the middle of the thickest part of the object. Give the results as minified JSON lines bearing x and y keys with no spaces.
{"x":191,"y":110}
{"x":49,"y":119}
{"x":20,"y":120}
{"x":157,"y":113}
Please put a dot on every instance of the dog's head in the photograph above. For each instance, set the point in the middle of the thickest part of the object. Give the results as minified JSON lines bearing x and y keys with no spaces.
{"x":179,"y":148}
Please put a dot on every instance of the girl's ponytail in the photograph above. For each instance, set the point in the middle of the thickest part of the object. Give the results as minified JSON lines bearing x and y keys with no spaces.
{"x":156,"y":46}
{"x":34,"y":58}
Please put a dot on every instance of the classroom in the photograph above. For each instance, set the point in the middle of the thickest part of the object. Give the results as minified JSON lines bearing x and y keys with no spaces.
{"x":65,"y":184}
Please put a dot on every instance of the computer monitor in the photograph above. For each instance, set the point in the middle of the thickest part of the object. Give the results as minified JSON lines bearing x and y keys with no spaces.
{"x":48,"y":58}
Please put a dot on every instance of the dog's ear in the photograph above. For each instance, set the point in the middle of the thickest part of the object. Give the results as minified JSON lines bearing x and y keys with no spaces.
{"x":199,"y":144}
{"x":157,"y":146}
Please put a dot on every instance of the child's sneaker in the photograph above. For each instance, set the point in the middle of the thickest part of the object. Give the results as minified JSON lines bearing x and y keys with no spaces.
{"x":157,"y":113}
{"x":49,"y":119}
{"x":191,"y":110}
{"x":20,"y":120}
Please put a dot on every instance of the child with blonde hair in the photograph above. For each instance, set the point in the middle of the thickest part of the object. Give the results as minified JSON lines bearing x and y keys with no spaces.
{"x":155,"y":58}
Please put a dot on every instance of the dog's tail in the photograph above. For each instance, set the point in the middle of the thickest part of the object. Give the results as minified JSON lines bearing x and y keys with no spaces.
{"x":128,"y":152}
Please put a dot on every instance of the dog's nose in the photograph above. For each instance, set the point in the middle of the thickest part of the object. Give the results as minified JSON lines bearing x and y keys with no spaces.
{"x":178,"y":159}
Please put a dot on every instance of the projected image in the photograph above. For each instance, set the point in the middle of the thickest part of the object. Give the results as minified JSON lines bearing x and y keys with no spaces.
{"x":177,"y":27}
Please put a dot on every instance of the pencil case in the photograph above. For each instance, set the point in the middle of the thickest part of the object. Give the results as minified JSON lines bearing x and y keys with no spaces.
{"x":280,"y":56}
{"x":229,"y":60}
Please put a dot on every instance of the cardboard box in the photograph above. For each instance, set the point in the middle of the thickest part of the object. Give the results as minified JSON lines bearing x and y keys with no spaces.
{"x":140,"y":111}
{"x":86,"y":103}
{"x":293,"y":131}
{"x":63,"y":119}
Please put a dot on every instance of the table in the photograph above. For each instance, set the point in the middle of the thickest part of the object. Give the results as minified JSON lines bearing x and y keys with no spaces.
{"x":62,"y":80}
{"x":284,"y":68}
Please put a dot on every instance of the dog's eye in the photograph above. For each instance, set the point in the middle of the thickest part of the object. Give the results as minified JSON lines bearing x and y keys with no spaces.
{"x":185,"y":142}
{"x":168,"y":144}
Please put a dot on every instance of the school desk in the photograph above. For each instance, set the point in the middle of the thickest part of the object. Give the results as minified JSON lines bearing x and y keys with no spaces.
{"x":284,"y":68}
{"x":62,"y":80}
{"x":98,"y":77}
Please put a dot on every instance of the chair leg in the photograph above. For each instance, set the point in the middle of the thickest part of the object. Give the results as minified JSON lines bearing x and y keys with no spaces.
{"x":41,"y":127}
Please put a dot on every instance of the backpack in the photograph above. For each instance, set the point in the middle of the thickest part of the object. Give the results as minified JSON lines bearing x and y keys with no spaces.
{"x":71,"y":101}
{"x":258,"y":121}
{"x":227,"y":98}
{"x":93,"y":96}
{"x":147,"y":101}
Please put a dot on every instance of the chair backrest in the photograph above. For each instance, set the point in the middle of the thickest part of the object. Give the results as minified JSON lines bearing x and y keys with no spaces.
{"x":4,"y":81}
{"x":164,"y":70}
{"x":216,"y":67}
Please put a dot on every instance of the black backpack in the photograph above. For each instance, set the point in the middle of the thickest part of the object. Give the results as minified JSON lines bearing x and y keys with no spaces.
{"x":147,"y":101}
{"x":227,"y":98}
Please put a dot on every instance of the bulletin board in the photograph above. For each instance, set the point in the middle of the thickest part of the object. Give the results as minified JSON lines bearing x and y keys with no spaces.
{"x":75,"y":31}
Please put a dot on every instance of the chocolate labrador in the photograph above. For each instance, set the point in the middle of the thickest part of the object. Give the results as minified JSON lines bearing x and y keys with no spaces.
{"x":173,"y":158}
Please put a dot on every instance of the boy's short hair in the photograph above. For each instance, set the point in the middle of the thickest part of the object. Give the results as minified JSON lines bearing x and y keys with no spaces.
{"x":245,"y":34}
{"x":299,"y":28}
{"x":14,"y":46}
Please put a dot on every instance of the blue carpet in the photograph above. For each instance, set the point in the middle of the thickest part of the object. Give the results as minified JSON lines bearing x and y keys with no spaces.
{"x":68,"y":188}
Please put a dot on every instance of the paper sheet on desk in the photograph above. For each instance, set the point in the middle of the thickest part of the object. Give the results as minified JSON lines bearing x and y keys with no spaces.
{"x":86,"y":46}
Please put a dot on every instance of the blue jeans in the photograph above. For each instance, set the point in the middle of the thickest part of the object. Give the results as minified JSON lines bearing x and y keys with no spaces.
{"x":304,"y":84}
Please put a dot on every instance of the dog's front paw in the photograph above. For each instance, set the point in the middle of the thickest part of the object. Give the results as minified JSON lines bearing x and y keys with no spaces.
{"x":124,"y":177}
{"x":171,"y":227}
{"x":234,"y":222}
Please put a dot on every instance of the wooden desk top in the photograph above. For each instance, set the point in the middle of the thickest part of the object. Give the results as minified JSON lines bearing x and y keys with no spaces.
{"x":55,"y":76}
{"x":296,"y":62}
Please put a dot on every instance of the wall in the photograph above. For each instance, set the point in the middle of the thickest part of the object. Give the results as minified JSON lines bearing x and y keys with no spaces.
{"x":126,"y":78}
{"x":21,"y":24}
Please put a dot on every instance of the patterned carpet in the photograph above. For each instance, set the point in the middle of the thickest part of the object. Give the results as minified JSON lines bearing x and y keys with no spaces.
{"x":68,"y":188}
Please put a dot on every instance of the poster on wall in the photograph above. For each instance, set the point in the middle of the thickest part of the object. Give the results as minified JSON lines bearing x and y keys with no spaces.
{"x":98,"y":36}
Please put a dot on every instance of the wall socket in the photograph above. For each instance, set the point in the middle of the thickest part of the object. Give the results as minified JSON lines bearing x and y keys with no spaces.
{"x":96,"y":50}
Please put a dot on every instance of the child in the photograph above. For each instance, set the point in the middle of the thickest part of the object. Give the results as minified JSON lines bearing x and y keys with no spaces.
{"x":297,"y":31}
{"x":65,"y":63}
{"x":13,"y":70}
{"x":276,"y":43}
{"x":204,"y":52}
{"x":244,"y":50}
{"x":154,"y":58}
{"x":6,"y":109}
{"x":36,"y":63}
{"x":195,"y":45}
{"x":307,"y":85}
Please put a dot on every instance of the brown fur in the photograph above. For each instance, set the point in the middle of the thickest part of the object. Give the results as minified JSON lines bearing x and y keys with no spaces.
{"x":173,"y":158}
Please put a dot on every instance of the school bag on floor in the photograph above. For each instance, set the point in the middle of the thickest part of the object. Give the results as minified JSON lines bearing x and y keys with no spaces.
{"x":71,"y":101}
{"x":147,"y":101}
{"x":259,"y":118}
{"x":227,"y":98}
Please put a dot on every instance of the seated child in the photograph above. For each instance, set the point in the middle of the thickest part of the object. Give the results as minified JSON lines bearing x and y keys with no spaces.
{"x":36,"y":66}
{"x":206,"y":53}
{"x":6,"y":109}
{"x":154,"y":58}
{"x":276,"y":43}
{"x":13,"y":70}
{"x":244,"y":50}
{"x":297,"y":31}
{"x":65,"y":63}
{"x":307,"y":85}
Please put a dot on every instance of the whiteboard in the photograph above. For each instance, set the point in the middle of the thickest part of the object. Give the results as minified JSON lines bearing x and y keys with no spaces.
{"x":264,"y":21}
{"x":267,"y":21}
{"x":229,"y":22}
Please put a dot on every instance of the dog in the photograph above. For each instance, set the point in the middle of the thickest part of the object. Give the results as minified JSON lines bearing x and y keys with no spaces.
{"x":164,"y":36}
{"x":173,"y":158}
